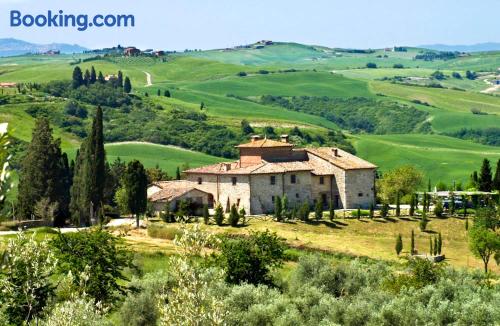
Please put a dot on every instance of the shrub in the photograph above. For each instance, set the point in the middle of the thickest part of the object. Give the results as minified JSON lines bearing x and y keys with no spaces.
{"x":423,"y":221}
{"x":141,"y":309}
{"x":219,"y":215}
{"x":251,"y":259}
{"x":241,"y":74}
{"x":234,"y":217}
{"x":385,"y":210}
{"x":278,"y":210}
{"x":399,"y":244}
{"x":360,"y":213}
{"x":371,"y":65}
{"x":156,"y":230}
{"x":243,"y":216}
{"x":438,"y":209}
{"x":81,"y":311}
{"x":318,"y":210}
{"x":103,"y":253}
{"x":25,"y":278}
{"x":206,"y":214}
{"x":304,"y":212}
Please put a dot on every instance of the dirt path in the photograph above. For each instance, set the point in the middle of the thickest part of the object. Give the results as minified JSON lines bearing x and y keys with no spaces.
{"x":149,"y":80}
{"x":492,"y":89}
{"x":150,"y":144}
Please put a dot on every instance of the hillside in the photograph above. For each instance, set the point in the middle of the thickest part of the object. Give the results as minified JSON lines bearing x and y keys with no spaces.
{"x":234,"y":85}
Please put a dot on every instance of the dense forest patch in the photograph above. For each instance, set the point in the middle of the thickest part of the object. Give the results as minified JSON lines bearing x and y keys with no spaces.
{"x":489,"y":136}
{"x":357,"y":114}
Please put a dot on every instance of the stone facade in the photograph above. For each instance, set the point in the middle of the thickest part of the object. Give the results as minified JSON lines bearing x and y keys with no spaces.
{"x":269,"y":169}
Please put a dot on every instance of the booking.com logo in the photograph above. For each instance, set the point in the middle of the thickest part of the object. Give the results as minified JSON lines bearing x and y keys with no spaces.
{"x":60,"y":19}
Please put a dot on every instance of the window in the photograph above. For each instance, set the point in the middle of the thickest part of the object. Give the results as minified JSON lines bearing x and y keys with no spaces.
{"x":324,"y":199}
{"x":234,"y":180}
{"x":297,"y":195}
{"x":272,"y":199}
{"x":321,"y":180}
{"x":360,"y":194}
{"x":293,"y":178}
{"x":273,"y":179}
{"x":200,"y":181}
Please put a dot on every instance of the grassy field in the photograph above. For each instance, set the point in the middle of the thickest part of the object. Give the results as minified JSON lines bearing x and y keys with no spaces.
{"x":441,"y":158}
{"x":370,"y":238}
{"x":167,"y":158}
{"x":367,"y":238}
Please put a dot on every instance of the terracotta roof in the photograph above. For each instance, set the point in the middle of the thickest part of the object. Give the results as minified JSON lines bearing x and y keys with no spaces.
{"x":173,"y":189}
{"x":265,"y":143}
{"x":343,"y":159}
{"x":261,"y":168}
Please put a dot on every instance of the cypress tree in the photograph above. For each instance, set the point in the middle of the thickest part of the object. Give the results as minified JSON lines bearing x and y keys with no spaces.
{"x":100,"y":78}
{"x":372,"y":211}
{"x":423,"y":221}
{"x":399,"y":244}
{"x":485,"y":176}
{"x":234,"y":217}
{"x":429,"y":188}
{"x":412,"y":243}
{"x":318,"y":210}
{"x":166,"y":93}
{"x":93,"y":76}
{"x":398,"y":205}
{"x":119,"y":80}
{"x":435,"y":247}
{"x":206,"y":214}
{"x":431,"y":247}
{"x":87,"y":191}
{"x":127,"y":86}
{"x":177,"y":174}
{"x":464,"y":205}
{"x":331,"y":210}
{"x":440,"y":243}
{"x":86,"y":77}
{"x":452,"y":203}
{"x":411,"y":212}
{"x":277,"y":209}
{"x":44,"y":174}
{"x":135,"y":182}
{"x":158,"y":92}
{"x":77,"y":77}
{"x":219,"y":215}
{"x":496,"y":178}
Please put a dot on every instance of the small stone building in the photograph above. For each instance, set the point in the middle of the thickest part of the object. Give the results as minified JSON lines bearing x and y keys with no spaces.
{"x":172,"y":192}
{"x":268,"y":169}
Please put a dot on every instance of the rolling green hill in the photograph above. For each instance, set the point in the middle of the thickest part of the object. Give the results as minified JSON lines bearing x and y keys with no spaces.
{"x":168,"y":158}
{"x":442,"y":158}
{"x":287,"y":70}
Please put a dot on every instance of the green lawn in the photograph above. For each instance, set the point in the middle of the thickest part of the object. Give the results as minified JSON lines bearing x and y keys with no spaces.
{"x":167,"y":157}
{"x":441,"y":158}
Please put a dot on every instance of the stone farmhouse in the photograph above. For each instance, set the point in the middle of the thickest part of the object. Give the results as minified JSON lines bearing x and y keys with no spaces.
{"x":268,"y":169}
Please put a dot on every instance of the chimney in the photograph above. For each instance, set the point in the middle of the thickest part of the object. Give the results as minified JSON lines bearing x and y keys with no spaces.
{"x":335,"y":152}
{"x":284,"y":138}
{"x":255,"y":138}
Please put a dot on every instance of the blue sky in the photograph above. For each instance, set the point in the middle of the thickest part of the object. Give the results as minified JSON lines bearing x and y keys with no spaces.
{"x":205,"y":24}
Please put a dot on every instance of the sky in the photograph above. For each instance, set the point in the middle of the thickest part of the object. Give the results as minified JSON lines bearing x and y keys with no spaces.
{"x":208,"y":24}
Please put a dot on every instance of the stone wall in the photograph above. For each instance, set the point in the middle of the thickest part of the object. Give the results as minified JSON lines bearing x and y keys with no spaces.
{"x":360,"y":188}
{"x":262,"y":191}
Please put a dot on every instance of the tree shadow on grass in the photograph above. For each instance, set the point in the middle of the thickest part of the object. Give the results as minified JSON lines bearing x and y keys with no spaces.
{"x":341,"y":223}
{"x":332,"y":225}
{"x":430,"y":232}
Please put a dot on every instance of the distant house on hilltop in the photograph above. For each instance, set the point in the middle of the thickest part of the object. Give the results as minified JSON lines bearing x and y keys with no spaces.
{"x":8,"y":85}
{"x":52,"y":52}
{"x":131,"y":51}
{"x":268,"y":170}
